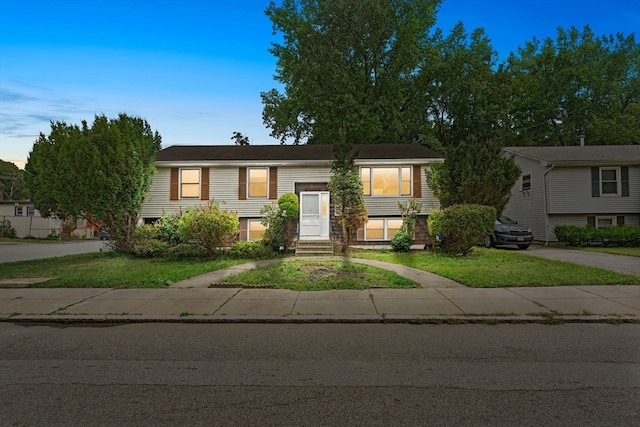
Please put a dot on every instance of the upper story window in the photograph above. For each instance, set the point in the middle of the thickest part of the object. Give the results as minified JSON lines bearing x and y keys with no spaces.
{"x":610,"y":181}
{"x":18,"y":211}
{"x":526,"y":182}
{"x":31,"y":210}
{"x":386,"y":181}
{"x":258,"y":179}
{"x":189,"y":183}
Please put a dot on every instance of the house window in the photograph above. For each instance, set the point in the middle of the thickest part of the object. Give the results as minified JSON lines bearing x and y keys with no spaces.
{"x":526,"y":182}
{"x":190,"y":183}
{"x":30,"y":210}
{"x":610,"y":181}
{"x":258,"y":182}
{"x":18,"y":211}
{"x":382,"y":228}
{"x":385,"y":181}
{"x":605,"y":221}
{"x":255,"y":229}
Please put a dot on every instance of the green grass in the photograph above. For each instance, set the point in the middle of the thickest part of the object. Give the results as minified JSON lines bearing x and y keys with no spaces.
{"x":110,"y":270}
{"x":496,"y":268}
{"x":615,"y":251}
{"x":310,"y":275}
{"x":18,"y":240}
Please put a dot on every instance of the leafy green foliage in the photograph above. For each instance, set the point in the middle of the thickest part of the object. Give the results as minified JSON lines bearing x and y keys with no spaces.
{"x":249,"y":250}
{"x":577,"y":84}
{"x":12,"y":185}
{"x":575,"y":235}
{"x":401,"y":241}
{"x":278,"y":219}
{"x":209,"y":225}
{"x":410,"y":209}
{"x":346,"y":192}
{"x":474,"y":172}
{"x":347,"y":69}
{"x":102,"y":173}
{"x":461,"y":227}
{"x":6,"y":229}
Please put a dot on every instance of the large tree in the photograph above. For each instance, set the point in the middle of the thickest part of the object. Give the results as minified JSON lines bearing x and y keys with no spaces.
{"x":347,"y":68}
{"x":577,"y":84}
{"x":101,"y":173}
{"x":12,"y":186}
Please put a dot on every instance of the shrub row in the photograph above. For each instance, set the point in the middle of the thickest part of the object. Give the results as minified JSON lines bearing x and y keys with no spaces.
{"x":575,"y":235}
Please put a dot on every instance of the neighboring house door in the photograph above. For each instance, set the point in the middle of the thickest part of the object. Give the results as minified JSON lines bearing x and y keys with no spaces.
{"x":314,"y":215}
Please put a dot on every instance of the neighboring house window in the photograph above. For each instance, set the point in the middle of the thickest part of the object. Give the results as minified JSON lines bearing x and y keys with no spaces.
{"x":386,"y":181}
{"x":256,"y":229}
{"x":381,"y":228}
{"x":610,"y":181}
{"x":30,"y":210}
{"x":526,"y":182}
{"x":605,"y":221}
{"x":18,"y":211}
{"x":258,"y":179}
{"x":189,"y":183}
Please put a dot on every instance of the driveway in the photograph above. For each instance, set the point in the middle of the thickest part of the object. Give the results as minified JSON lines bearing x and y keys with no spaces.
{"x":10,"y":252}
{"x":619,"y":263}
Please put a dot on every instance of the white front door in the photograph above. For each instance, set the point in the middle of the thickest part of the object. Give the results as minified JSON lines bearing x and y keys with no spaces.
{"x":314,"y":215}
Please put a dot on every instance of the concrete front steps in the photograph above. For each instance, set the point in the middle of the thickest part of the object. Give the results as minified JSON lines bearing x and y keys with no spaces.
{"x":314,"y":247}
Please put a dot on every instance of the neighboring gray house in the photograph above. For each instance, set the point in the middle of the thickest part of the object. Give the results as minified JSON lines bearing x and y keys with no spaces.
{"x":28,"y":222}
{"x":246,"y":178}
{"x":577,"y":185}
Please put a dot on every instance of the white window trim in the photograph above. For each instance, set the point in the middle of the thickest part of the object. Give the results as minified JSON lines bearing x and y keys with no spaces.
{"x":618,"y":181}
{"x":199,"y":182}
{"x":249,"y":221}
{"x":385,"y":229}
{"x":522,"y":182}
{"x":249,"y":196}
{"x":16,"y":209}
{"x":614,"y":220}
{"x":399,"y":194}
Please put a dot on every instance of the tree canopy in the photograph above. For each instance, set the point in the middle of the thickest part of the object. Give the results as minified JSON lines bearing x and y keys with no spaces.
{"x":12,"y":186}
{"x":380,"y":71}
{"x":102,"y":173}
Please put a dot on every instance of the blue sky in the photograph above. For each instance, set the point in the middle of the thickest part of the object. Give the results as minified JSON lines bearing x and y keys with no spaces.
{"x":195,"y":69}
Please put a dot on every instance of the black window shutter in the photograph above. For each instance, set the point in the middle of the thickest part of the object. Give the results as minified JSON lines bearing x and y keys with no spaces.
{"x":620,"y":220}
{"x":591,"y":220}
{"x":595,"y":182}
{"x":624,"y":172}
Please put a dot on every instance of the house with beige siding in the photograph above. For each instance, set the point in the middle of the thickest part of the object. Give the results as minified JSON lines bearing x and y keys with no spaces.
{"x":244,"y":178}
{"x":576,"y":185}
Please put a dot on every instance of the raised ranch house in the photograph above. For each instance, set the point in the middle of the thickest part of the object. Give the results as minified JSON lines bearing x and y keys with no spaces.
{"x":246,"y":178}
{"x":576,"y":185}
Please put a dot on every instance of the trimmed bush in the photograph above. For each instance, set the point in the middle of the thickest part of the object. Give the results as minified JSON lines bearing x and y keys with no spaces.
{"x":253,"y":250}
{"x":148,"y":248}
{"x":461,"y":227}
{"x":401,"y":241}
{"x":209,"y":225}
{"x":587,"y":235}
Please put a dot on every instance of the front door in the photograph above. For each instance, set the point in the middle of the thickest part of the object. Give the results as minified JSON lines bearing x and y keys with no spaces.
{"x":314,"y":215}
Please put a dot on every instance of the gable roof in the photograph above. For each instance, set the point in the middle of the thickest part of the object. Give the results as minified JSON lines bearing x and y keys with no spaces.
{"x":314,"y":152}
{"x":581,"y":155}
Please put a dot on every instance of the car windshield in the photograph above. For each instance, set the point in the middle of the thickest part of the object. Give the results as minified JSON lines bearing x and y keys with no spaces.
{"x":506,"y":220}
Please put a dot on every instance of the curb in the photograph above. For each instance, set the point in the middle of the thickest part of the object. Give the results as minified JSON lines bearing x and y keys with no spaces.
{"x":324,"y":319}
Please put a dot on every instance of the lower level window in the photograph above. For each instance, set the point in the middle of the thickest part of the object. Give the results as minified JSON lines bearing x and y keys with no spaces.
{"x":256,"y":229}
{"x":605,"y":221}
{"x":381,"y":228}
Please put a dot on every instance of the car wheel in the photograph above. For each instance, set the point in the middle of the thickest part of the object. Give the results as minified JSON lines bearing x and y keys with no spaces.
{"x":488,"y":242}
{"x":523,"y":246}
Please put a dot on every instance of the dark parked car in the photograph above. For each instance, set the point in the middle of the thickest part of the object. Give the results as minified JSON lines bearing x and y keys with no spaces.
{"x":509,"y":232}
{"x":103,"y":233}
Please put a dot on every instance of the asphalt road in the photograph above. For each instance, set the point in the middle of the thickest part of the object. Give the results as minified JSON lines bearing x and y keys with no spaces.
{"x":330,"y":375}
{"x":10,"y":252}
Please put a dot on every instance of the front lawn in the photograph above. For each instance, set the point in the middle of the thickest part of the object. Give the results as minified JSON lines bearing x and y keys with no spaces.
{"x":497,"y":268}
{"x":110,"y":270}
{"x":319,"y":275}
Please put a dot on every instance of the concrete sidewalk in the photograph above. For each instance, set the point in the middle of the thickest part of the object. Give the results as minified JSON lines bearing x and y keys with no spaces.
{"x":219,"y":305}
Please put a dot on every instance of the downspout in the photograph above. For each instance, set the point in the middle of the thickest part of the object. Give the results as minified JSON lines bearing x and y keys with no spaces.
{"x":544,"y":200}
